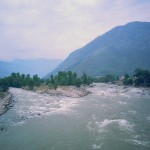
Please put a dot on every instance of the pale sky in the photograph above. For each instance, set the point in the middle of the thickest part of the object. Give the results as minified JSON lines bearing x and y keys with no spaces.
{"x":54,"y":28}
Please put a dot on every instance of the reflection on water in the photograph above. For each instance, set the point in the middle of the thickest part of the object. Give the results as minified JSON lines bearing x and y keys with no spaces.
{"x":111,"y":118}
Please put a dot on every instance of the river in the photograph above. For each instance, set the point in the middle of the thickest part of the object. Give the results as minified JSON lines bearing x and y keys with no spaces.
{"x":111,"y":118}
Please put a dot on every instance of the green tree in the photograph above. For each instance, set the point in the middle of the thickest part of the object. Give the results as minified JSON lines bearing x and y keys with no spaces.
{"x":84,"y":78}
{"x":23,"y":79}
{"x":31,"y":84}
{"x":4,"y":85}
{"x":78,"y":82}
{"x":127,"y":80}
{"x":142,"y":77}
{"x":36,"y":80}
{"x":126,"y":76}
{"x":27,"y":79}
{"x":74,"y":78}
{"x":70,"y":77}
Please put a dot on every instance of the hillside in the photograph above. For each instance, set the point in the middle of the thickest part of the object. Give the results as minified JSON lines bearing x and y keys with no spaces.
{"x":32,"y":66}
{"x":118,"y":51}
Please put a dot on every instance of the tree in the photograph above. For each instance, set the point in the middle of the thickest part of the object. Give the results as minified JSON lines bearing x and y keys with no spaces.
{"x":142,"y":77}
{"x":18,"y":80}
{"x":127,"y":80}
{"x":74,"y":78}
{"x":78,"y":82}
{"x":23,"y":79}
{"x":84,"y":78}
{"x":36,"y":80}
{"x":4,"y":84}
{"x":126,"y":76}
{"x":27,"y":79}
{"x":31,"y":84}
{"x":70,"y":77}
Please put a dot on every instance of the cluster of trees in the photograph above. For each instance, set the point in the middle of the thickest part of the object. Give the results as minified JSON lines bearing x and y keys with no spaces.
{"x":139,"y":78}
{"x":68,"y":78}
{"x":71,"y":78}
{"x":106,"y":78}
{"x":19,"y":80}
{"x":127,"y":80}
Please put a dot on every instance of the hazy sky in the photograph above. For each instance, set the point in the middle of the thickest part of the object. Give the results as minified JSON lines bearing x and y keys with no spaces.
{"x":54,"y":28}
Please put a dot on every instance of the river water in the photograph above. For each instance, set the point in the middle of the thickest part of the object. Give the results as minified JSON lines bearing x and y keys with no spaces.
{"x":111,"y":118}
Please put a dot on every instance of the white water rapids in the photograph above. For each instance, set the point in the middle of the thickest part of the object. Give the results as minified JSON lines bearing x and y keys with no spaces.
{"x":111,"y":118}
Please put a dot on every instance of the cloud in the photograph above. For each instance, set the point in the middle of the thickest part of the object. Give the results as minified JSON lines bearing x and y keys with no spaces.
{"x":54,"y":28}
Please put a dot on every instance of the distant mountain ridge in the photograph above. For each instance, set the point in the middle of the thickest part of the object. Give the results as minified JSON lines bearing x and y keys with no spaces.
{"x":118,"y":51}
{"x":30,"y":66}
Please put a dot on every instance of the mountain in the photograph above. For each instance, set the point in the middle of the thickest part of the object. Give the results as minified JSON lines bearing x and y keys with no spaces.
{"x":32,"y":66}
{"x":7,"y":68}
{"x":119,"y":51}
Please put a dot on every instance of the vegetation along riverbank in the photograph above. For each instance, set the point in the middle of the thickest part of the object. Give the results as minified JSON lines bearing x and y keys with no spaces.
{"x":65,"y":84}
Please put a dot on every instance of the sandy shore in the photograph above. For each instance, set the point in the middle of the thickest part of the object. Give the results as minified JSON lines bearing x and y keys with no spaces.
{"x":5,"y":102}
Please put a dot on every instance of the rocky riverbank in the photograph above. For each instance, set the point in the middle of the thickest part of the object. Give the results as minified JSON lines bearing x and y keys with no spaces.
{"x":5,"y":102}
{"x":62,"y":91}
{"x":66,"y":91}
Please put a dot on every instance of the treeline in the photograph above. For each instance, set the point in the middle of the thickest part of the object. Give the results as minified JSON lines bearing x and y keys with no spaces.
{"x":61,"y":79}
{"x":19,"y":80}
{"x":71,"y":78}
{"x":67,"y":79}
{"x":106,"y":78}
{"x":139,"y":78}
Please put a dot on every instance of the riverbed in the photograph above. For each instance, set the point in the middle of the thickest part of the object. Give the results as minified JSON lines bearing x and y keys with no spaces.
{"x":110,"y":118}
